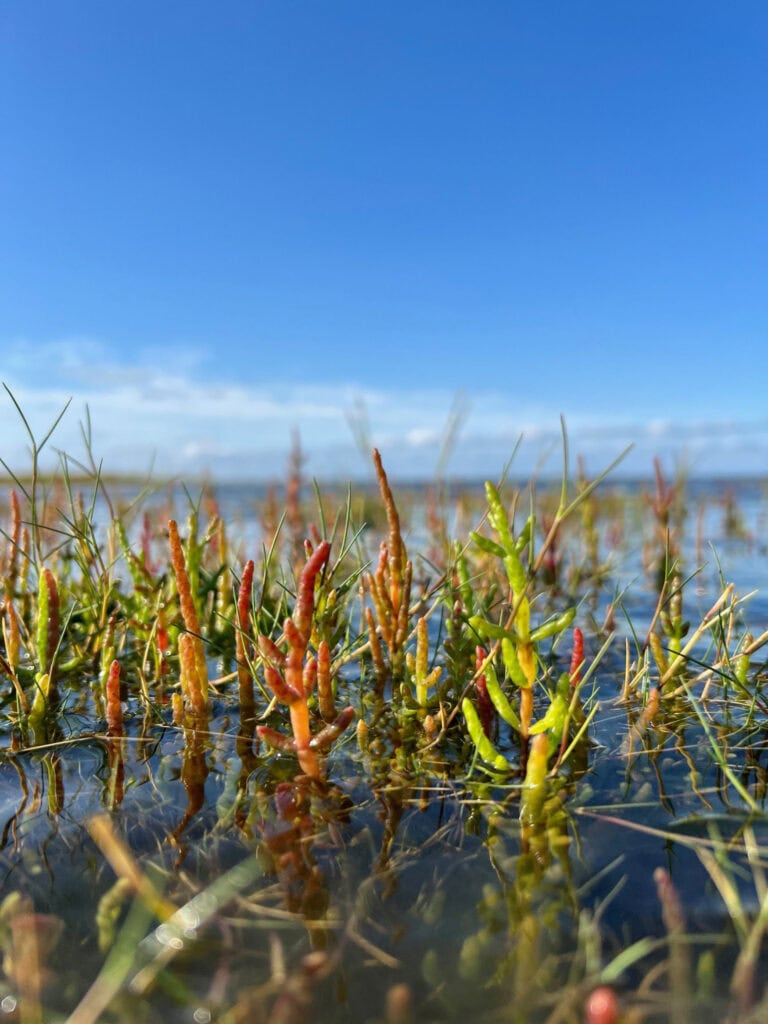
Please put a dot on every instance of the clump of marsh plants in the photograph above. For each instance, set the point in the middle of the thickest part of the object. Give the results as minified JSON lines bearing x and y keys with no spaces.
{"x":355,"y":772}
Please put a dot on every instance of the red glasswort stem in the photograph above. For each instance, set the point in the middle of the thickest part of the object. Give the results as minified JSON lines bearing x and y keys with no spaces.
{"x":114,"y":707}
{"x":271,"y":652}
{"x":276,"y":739}
{"x":309,"y":676}
{"x":483,"y":701}
{"x":244,"y":605}
{"x":244,"y":680}
{"x":577,"y":657}
{"x":331,"y":732}
{"x":284,"y":693}
{"x":52,"y":640}
{"x":305,"y":599}
{"x":394,"y":541}
{"x":193,"y":683}
{"x":292,"y":676}
{"x":186,"y":603}
{"x":294,"y":663}
{"x":325,"y":699}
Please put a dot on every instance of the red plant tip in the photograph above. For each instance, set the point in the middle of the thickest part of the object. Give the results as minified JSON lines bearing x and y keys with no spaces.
{"x":270,"y":652}
{"x":162,"y":640}
{"x":285,"y":693}
{"x":305,"y":598}
{"x":331,"y":732}
{"x":309,"y":677}
{"x":244,"y":595}
{"x":577,"y":658}
{"x":50,"y":595}
{"x":602,"y":1007}
{"x":275,"y":739}
{"x":482,"y":697}
{"x":672,"y":911}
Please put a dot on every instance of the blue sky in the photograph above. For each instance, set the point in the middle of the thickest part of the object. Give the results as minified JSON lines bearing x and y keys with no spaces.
{"x":221,"y":221}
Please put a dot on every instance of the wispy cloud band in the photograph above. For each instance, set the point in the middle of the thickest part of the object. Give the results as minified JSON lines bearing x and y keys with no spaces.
{"x":177,"y":409}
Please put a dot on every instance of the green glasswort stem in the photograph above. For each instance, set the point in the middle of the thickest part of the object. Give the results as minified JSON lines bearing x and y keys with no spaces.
{"x":490,"y":547}
{"x":484,"y":747}
{"x":498,"y":518}
{"x":489,"y":630}
{"x":499,"y":699}
{"x":554,"y":720}
{"x":524,"y":537}
{"x":534,"y":791}
{"x":554,"y":626}
{"x":512,"y":663}
{"x":43,"y":613}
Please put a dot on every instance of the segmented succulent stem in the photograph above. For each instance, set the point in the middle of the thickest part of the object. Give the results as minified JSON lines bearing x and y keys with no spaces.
{"x":194,"y":669}
{"x":114,"y":706}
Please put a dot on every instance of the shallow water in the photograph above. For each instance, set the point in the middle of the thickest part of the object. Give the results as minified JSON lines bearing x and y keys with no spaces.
{"x":411,"y":878}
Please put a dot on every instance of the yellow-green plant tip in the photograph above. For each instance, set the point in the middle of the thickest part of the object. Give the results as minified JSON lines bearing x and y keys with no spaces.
{"x":484,"y":747}
{"x":499,"y":699}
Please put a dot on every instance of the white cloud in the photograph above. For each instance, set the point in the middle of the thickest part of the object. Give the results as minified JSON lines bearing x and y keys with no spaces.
{"x":194,"y":420}
{"x":659,"y":428}
{"x":418,"y":437}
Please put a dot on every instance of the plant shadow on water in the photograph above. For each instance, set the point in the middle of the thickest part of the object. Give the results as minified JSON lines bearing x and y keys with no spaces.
{"x":521,"y":779}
